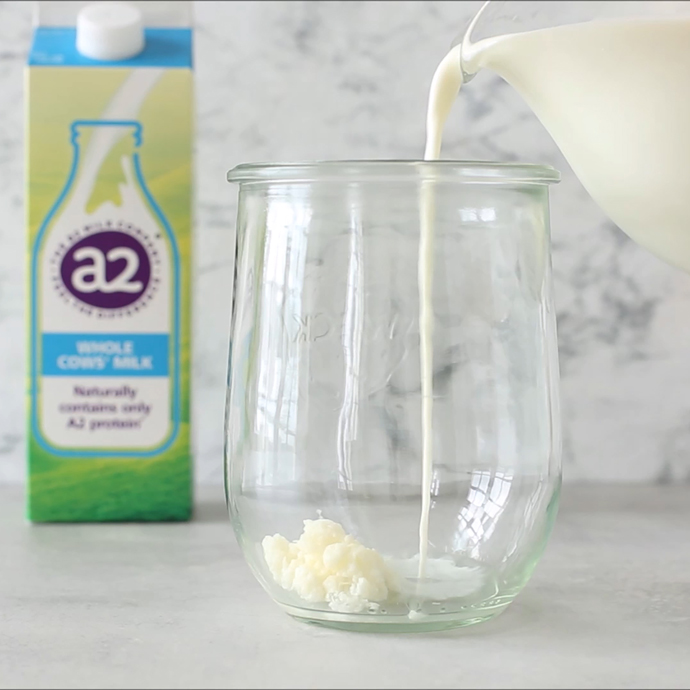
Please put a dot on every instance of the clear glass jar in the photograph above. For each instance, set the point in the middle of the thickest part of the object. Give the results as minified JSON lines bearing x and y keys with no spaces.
{"x":324,"y":405}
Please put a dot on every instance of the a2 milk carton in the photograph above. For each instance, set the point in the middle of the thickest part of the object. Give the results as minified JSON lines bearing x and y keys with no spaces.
{"x":109,"y":201}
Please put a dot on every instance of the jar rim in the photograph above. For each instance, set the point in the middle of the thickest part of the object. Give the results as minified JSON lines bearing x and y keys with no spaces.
{"x":383,"y":169}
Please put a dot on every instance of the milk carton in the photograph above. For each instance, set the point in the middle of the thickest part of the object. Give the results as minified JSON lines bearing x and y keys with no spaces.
{"x":109,"y":192}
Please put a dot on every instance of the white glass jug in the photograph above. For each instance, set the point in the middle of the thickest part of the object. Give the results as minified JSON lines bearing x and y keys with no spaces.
{"x":609,"y":81}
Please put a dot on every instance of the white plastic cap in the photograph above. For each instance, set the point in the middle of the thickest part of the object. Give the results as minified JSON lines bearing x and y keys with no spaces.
{"x":110,"y":31}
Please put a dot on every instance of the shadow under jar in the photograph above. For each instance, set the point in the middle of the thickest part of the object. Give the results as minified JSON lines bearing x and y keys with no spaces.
{"x":324,"y":409}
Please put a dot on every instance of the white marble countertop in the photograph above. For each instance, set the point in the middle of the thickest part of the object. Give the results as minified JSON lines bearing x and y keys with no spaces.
{"x":173,"y":605}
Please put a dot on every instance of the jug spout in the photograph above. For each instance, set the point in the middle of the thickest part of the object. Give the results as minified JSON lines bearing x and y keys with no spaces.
{"x":468,"y":52}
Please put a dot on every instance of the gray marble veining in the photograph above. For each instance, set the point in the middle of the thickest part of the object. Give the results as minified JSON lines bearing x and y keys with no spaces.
{"x":305,"y":80}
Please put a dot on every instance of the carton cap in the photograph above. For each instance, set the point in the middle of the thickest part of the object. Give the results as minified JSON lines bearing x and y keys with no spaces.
{"x":110,"y":31}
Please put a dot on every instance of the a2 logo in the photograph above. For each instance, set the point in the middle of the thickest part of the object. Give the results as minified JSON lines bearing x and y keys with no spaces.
{"x":110,"y":269}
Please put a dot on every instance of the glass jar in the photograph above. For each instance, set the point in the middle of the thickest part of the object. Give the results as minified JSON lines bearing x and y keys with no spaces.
{"x":324,"y":412}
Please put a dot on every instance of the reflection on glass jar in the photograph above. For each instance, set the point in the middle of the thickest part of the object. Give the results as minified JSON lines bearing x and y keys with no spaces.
{"x":324,"y":404}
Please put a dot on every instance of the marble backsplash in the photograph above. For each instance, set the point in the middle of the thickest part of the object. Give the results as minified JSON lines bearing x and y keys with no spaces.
{"x":305,"y":80}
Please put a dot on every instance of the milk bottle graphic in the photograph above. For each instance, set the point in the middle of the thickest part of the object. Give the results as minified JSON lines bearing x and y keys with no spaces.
{"x":105,"y":305}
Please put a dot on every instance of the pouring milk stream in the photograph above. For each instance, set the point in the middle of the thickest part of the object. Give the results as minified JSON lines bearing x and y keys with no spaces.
{"x":445,"y":86}
{"x":613,"y":96}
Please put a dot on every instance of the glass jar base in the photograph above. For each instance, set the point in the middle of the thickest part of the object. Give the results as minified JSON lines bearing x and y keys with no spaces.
{"x":387,"y":623}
